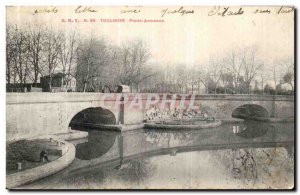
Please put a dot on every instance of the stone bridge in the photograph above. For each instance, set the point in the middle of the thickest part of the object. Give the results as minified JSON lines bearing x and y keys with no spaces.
{"x":35,"y":114}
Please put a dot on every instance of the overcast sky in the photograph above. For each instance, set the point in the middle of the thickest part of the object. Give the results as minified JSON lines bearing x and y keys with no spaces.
{"x":190,"y":39}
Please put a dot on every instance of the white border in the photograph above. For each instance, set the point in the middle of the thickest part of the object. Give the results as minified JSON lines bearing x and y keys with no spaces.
{"x":4,"y":3}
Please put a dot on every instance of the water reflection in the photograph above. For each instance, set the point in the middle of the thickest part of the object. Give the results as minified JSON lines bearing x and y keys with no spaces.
{"x":257,"y":167}
{"x":99,"y":143}
{"x":205,"y":158}
{"x":120,"y":146}
{"x":244,"y":165}
{"x":169,"y":139}
{"x":136,"y":170}
{"x":250,"y":129}
{"x":290,"y":151}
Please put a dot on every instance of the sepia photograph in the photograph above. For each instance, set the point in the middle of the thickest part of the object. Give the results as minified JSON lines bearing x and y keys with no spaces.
{"x":150,"y":97}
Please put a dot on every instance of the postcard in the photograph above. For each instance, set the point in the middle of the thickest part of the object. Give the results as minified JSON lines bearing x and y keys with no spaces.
{"x":150,"y":97}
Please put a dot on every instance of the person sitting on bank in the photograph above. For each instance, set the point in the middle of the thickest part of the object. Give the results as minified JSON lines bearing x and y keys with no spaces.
{"x":44,"y":156}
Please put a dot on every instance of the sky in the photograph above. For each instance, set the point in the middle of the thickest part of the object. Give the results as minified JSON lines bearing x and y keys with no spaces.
{"x":191,"y":38}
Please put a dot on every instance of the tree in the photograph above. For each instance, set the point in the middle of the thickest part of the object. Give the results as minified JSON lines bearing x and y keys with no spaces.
{"x":22,"y":67}
{"x":132,"y":59}
{"x":51,"y":49}
{"x":288,"y":73}
{"x":234,"y":65}
{"x":275,"y":79}
{"x":288,"y":78}
{"x":10,"y":53}
{"x":262,"y":83}
{"x":193,"y":79}
{"x":140,"y":56}
{"x":145,"y":73}
{"x":243,"y":64}
{"x":35,"y":48}
{"x":215,"y":72}
{"x":251,"y":65}
{"x":227,"y":80}
{"x":181,"y":76}
{"x":67,"y":54}
{"x":268,"y":89}
{"x":92,"y":57}
{"x":205,"y":80}
{"x":17,"y":65}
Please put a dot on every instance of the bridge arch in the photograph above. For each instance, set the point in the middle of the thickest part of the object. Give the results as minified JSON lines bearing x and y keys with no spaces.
{"x":250,"y":110}
{"x":93,"y":115}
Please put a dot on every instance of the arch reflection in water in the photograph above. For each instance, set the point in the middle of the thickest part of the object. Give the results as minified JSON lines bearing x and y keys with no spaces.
{"x":250,"y":129}
{"x":99,"y":143}
{"x":146,"y":158}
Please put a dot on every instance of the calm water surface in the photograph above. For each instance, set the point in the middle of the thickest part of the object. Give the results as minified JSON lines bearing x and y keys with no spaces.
{"x":236,"y":155}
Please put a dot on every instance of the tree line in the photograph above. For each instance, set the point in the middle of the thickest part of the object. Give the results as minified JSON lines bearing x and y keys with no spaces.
{"x":37,"y":51}
{"x":95,"y":63}
{"x":238,"y":71}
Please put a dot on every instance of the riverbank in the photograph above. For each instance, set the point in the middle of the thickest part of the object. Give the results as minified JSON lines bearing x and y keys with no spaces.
{"x":27,"y":176}
{"x":61,"y":154}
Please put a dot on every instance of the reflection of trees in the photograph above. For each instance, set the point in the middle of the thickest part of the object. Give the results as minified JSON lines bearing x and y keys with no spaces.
{"x":257,"y":167}
{"x":137,"y":170}
{"x":171,"y":138}
{"x":99,"y":143}
{"x":290,"y":151}
{"x":250,"y":129}
{"x":284,"y":158}
{"x":244,"y":165}
{"x":271,"y":167}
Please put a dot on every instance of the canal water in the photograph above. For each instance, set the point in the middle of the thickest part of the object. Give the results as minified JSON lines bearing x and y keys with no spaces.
{"x":243,"y":155}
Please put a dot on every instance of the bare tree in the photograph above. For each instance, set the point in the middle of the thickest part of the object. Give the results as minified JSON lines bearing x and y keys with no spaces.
{"x":10,"y":53}
{"x":227,"y":80}
{"x":262,"y":83}
{"x":215,"y":71}
{"x":35,"y":49}
{"x":181,"y":75}
{"x":133,"y":58}
{"x":274,"y":78}
{"x":140,"y":56}
{"x":51,"y":49}
{"x":251,"y":65}
{"x":193,"y":79}
{"x":21,"y":60}
{"x":67,"y":54}
{"x":204,"y":79}
{"x":144,"y":74}
{"x":92,"y":57}
{"x":234,"y":66}
{"x":273,"y":74}
{"x":288,"y":72}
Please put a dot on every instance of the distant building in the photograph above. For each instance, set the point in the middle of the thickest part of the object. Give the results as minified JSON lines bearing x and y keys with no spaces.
{"x":123,"y":89}
{"x":286,"y":87}
{"x":60,"y":83}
